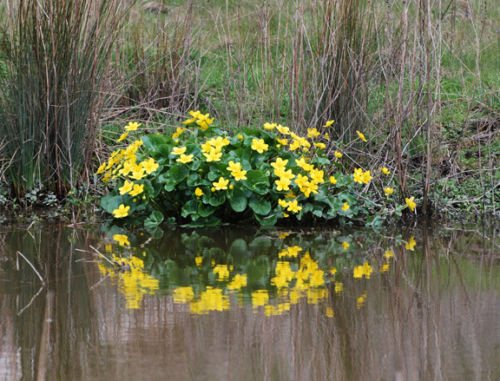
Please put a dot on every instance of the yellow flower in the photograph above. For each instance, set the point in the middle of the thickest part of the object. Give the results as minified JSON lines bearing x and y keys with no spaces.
{"x":194,"y":116}
{"x":178,"y":132}
{"x":101,"y":168}
{"x":204,"y":121}
{"x":213,"y":155}
{"x":360,"y":301}
{"x":388,"y":191}
{"x":283,"y":130}
{"x":282,"y":184}
{"x":198,"y":192}
{"x":338,"y":154}
{"x":132,"y":126}
{"x":320,"y":145}
{"x":150,"y":165}
{"x":410,"y":245}
{"x":234,"y":166}
{"x":385,"y":171}
{"x":345,"y":245}
{"x":127,"y":187}
{"x":329,"y":123}
{"x":410,"y":203}
{"x":137,"y":173}
{"x":302,"y":163}
{"x":317,"y":176}
{"x":122,"y":137}
{"x":138,"y":189}
{"x":199,"y":259}
{"x":313,"y":133}
{"x":184,"y":159}
{"x":122,"y":239}
{"x":259,"y":145}
{"x":121,"y":211}
{"x":269,"y":126}
{"x":362,"y":177}
{"x":345,"y":207}
{"x":178,"y":150}
{"x":283,"y":141}
{"x":279,"y":164}
{"x":361,"y":136}
{"x":221,"y":184}
{"x":333,"y":180}
{"x":239,"y":175}
{"x":294,"y":207}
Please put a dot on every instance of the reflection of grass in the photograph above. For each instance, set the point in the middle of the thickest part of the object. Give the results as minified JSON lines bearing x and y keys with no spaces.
{"x":271,"y":274}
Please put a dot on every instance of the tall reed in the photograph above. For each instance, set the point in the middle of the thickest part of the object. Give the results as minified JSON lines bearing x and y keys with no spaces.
{"x":55,"y":53}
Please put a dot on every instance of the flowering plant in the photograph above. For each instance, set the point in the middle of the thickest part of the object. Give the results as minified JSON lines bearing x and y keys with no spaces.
{"x":201,"y":175}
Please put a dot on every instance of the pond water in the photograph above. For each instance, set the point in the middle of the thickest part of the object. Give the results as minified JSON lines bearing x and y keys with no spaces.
{"x":98,"y":303}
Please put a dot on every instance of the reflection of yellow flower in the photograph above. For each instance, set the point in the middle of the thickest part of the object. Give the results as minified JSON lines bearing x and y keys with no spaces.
{"x":121,"y":211}
{"x":339,"y":287}
{"x":384,"y":268}
{"x":389,"y":254}
{"x":410,"y":245}
{"x":360,"y":301}
{"x":410,"y":203}
{"x":259,"y":298}
{"x":183,"y":295}
{"x":329,"y":312}
{"x":122,"y":239}
{"x":222,"y":272}
{"x":238,"y":282}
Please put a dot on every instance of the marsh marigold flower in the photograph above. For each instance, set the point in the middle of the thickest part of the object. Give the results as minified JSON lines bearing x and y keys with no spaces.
{"x":121,"y":211}
{"x":132,"y":126}
{"x":259,"y":145}
{"x":122,"y":239}
{"x":388,"y":191}
{"x":185,"y":159}
{"x":329,"y":123}
{"x":385,"y":171}
{"x":410,"y":203}
{"x":361,"y":136}
{"x":198,"y":192}
{"x":222,"y":184}
{"x":338,"y":154}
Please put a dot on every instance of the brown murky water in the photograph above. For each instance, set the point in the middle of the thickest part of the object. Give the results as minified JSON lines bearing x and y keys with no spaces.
{"x":98,"y":303}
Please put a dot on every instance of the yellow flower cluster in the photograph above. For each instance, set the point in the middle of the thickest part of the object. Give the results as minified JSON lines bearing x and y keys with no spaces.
{"x":362,"y":177}
{"x":202,"y":120}
{"x":133,"y":282}
{"x":237,"y":171}
{"x":212,"y":148}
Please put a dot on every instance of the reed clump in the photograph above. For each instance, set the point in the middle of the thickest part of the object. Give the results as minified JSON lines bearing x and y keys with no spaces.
{"x":54,"y":53}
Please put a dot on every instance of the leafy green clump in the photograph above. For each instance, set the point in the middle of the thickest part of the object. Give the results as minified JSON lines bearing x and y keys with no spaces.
{"x":201,"y":175}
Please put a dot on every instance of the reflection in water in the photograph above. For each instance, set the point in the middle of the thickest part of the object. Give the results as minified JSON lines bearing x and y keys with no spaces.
{"x":246,"y":305}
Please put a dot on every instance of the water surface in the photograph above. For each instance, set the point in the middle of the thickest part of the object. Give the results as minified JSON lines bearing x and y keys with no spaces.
{"x":100,"y":303}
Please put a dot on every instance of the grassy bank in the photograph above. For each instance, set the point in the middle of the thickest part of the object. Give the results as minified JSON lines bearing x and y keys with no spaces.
{"x":419,"y":80}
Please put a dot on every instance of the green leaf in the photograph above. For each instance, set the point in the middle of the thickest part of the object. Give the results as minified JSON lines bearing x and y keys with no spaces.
{"x":154,"y":220}
{"x":215,"y":198}
{"x":110,"y":202}
{"x":178,"y":173}
{"x":257,"y":181}
{"x":260,"y":206}
{"x":238,"y":201}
